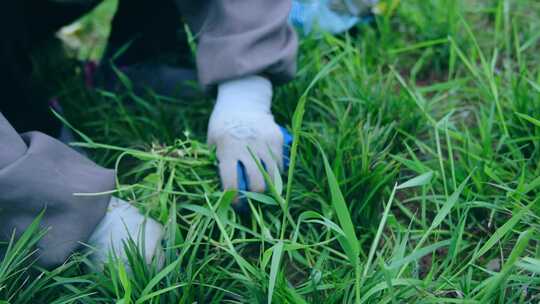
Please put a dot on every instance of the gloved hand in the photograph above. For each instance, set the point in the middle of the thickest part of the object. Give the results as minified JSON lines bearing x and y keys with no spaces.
{"x":121,"y":223}
{"x":242,"y":121}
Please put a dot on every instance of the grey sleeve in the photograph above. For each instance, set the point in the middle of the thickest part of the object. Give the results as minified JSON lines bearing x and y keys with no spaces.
{"x":239,"y":38}
{"x":39,"y":173}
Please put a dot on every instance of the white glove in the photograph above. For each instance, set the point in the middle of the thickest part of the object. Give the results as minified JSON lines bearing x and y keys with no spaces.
{"x":122,"y":222}
{"x":242,"y":119}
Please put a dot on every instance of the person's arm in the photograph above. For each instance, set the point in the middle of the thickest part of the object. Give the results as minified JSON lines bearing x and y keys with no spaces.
{"x":242,"y":38}
{"x":244,"y":48}
{"x":38,"y":173}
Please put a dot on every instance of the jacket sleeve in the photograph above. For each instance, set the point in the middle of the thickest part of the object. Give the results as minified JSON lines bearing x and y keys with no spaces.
{"x":39,"y":173}
{"x":239,"y":38}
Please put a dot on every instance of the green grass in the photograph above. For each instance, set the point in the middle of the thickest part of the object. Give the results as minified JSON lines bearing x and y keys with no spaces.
{"x":414,"y":175}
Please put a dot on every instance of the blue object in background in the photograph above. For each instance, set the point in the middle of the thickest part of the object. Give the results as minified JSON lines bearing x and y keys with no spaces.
{"x":316,"y":16}
{"x":243,"y":183}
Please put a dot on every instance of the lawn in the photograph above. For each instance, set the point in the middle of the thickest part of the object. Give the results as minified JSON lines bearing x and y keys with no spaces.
{"x":414,"y":174}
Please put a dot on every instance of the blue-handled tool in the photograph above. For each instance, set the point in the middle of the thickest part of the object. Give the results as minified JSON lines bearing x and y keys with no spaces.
{"x":243,"y":182}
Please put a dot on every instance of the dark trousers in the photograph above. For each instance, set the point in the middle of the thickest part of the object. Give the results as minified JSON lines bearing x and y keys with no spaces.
{"x":151,"y":30}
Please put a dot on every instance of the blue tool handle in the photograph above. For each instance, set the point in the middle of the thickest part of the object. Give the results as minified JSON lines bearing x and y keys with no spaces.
{"x":243,"y":182}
